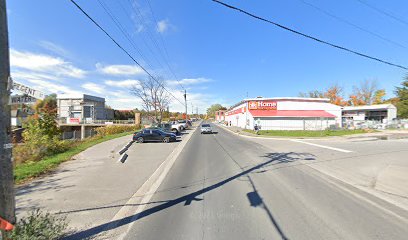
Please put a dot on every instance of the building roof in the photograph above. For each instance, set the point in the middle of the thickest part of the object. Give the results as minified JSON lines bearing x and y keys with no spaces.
{"x":291,"y":113}
{"x":80,"y":96}
{"x":369,"y":107}
{"x":300,"y":99}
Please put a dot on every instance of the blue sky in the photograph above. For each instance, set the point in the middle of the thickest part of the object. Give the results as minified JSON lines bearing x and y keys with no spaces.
{"x":218,"y":54}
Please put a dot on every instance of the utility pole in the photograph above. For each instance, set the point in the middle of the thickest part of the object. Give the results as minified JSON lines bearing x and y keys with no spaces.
{"x":246,"y":112}
{"x":192,"y":109}
{"x":185,"y":101}
{"x":7,"y":202}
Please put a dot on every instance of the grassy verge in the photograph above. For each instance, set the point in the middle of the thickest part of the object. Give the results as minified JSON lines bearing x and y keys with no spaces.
{"x":301,"y":133}
{"x":29,"y":170}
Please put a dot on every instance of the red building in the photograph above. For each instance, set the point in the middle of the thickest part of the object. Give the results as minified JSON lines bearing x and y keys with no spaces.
{"x":220,"y":115}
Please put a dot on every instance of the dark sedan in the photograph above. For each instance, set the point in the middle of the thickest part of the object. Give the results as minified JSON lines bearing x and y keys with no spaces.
{"x":153,"y":135}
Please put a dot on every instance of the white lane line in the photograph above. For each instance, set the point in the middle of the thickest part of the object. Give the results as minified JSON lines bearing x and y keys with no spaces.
{"x":322,"y":146}
{"x":147,"y":190}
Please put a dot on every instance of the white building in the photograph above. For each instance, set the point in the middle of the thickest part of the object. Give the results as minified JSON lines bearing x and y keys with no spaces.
{"x":286,"y":113}
{"x":384,"y":113}
{"x":76,"y":108}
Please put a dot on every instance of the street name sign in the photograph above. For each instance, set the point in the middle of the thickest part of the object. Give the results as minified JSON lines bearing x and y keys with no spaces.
{"x":28,"y":90}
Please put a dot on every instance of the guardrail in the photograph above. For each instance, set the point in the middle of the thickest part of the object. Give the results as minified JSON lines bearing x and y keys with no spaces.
{"x":102,"y":122}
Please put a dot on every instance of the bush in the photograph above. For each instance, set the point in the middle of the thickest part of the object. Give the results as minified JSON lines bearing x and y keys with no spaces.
{"x":114,"y":129}
{"x":39,"y":226}
{"x":36,"y":149}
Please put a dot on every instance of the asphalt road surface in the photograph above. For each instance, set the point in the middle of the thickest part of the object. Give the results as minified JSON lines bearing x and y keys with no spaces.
{"x":223,"y":186}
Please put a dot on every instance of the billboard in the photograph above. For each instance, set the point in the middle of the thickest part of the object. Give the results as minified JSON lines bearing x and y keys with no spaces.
{"x":262,"y":105}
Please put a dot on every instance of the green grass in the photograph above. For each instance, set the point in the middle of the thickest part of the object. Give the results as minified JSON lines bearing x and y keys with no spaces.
{"x":26,"y":171}
{"x":306,"y":133}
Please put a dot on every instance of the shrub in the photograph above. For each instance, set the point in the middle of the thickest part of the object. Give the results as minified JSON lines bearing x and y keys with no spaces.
{"x":39,"y":226}
{"x":114,"y":129}
{"x":36,"y":149}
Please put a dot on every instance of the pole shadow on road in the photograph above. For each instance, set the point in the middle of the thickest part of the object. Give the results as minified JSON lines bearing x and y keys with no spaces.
{"x":273,"y":158}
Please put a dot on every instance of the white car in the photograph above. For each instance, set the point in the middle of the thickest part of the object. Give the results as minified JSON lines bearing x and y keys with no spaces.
{"x":206,"y":128}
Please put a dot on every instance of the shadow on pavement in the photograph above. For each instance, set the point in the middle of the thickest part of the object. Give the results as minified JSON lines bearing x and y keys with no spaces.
{"x":277,"y":158}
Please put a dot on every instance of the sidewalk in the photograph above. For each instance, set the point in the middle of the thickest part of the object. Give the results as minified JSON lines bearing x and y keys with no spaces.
{"x":92,"y":188}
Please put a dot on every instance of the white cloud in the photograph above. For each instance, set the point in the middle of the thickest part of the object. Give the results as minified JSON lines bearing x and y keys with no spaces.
{"x":122,"y":70}
{"x":93,"y":87}
{"x":122,"y":83}
{"x":27,"y":75}
{"x":189,"y":81}
{"x":162,"y":26}
{"x":50,"y":87}
{"x":44,"y":64}
{"x":50,"y":46}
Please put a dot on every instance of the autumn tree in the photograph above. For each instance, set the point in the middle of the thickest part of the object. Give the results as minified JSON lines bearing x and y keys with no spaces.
{"x":378,"y":97}
{"x":335,"y":94}
{"x":364,"y":93}
{"x":402,"y":94}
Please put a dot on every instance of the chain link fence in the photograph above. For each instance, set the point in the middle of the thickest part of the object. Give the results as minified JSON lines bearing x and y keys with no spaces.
{"x":76,"y":134}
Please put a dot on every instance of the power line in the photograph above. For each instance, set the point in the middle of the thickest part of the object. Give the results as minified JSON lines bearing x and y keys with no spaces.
{"x":150,"y":35}
{"x":163,"y":43}
{"x":122,"y":29}
{"x":384,"y":12}
{"x":351,"y":24}
{"x":310,"y":37}
{"x":123,"y":49}
{"x":144,"y":41}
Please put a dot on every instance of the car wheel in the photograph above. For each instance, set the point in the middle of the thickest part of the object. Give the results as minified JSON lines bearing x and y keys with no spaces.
{"x":175,"y":131}
{"x":182,"y":128}
{"x":140,"y":139}
{"x":166,"y":140}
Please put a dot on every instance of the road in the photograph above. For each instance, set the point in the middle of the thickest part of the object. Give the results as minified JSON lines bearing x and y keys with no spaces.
{"x":223,"y":186}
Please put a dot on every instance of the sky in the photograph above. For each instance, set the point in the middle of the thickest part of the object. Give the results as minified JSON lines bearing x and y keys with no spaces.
{"x":218,"y":55}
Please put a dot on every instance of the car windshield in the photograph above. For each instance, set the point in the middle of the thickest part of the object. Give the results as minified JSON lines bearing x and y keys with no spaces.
{"x":212,"y":119}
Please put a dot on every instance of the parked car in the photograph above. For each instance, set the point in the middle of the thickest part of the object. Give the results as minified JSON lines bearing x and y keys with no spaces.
{"x":176,"y":127}
{"x":206,"y":128}
{"x":154,"y":135}
{"x":184,"y":124}
{"x":166,"y":127}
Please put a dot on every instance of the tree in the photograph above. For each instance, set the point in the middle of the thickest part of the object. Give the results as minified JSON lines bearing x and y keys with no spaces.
{"x":153,"y":95}
{"x":213,"y":108}
{"x":312,"y":94}
{"x":335,"y":94}
{"x":364,"y":93}
{"x":402,"y":94}
{"x":43,"y":122}
{"x":378,"y":97}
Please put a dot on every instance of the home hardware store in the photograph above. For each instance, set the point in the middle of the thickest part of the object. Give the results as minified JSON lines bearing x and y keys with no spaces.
{"x":286,"y":113}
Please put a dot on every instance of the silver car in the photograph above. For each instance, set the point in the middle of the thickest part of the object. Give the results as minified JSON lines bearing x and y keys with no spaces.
{"x":206,"y":128}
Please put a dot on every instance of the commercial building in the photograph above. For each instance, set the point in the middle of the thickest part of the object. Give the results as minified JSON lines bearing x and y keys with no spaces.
{"x":76,"y":108}
{"x":383,"y":113}
{"x":220,"y":115}
{"x":286,"y":113}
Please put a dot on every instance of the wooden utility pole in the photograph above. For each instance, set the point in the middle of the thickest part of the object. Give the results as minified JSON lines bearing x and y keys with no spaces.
{"x":185,"y":101}
{"x":7,"y":202}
